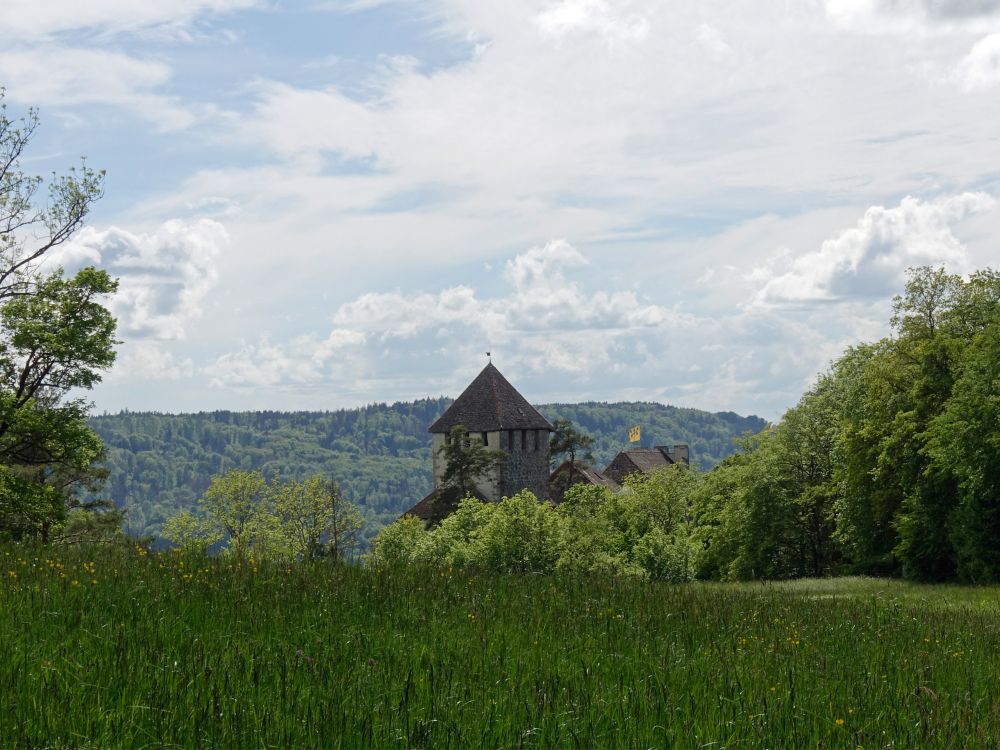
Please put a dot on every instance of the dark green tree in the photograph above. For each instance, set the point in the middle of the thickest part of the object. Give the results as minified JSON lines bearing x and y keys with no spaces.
{"x":965,"y":442}
{"x":467,"y":460}
{"x":567,"y":444}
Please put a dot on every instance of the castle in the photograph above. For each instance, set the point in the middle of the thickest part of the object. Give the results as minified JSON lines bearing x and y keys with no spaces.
{"x":494,"y":413}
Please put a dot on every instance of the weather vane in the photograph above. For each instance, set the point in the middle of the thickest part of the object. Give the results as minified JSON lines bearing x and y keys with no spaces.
{"x":489,"y":357}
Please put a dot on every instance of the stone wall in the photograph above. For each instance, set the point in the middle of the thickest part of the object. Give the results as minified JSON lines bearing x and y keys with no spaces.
{"x":527,"y":470}
{"x":527,"y":465}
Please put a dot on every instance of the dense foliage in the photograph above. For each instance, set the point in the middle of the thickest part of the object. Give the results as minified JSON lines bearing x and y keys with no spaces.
{"x":379,"y":455}
{"x":889,"y":464}
{"x":56,"y":339}
{"x":644,"y":531}
{"x":281,"y":520}
{"x":114,"y":647}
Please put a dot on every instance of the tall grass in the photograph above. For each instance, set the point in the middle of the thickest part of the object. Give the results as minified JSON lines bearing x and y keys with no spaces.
{"x":106,"y":648}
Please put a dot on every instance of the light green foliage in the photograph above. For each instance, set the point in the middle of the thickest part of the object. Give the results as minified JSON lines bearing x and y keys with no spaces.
{"x":191,"y":533}
{"x":591,"y":541}
{"x":521,"y":535}
{"x":456,"y":541}
{"x":645,"y":531}
{"x":239,"y":505}
{"x":316,"y":519}
{"x":281,"y":520}
{"x":55,"y":336}
{"x":398,"y":543}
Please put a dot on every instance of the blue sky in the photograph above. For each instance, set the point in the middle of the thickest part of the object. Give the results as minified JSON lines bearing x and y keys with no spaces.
{"x":313,"y":205}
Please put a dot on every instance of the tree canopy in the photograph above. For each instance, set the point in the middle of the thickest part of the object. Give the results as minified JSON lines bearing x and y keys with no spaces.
{"x":56,"y":338}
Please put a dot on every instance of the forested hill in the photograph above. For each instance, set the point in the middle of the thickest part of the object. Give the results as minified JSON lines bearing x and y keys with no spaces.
{"x":380,"y":454}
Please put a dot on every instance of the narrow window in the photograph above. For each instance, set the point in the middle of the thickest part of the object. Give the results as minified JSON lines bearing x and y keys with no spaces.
{"x":524,"y":440}
{"x":486,"y":438}
{"x":510,"y":440}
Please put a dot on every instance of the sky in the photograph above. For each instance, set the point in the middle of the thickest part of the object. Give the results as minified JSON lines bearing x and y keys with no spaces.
{"x":326,"y":203}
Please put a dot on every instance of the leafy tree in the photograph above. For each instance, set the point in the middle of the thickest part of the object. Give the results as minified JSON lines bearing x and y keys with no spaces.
{"x":238,"y":505}
{"x":644,"y":531}
{"x":397,"y":543}
{"x":570,"y":442}
{"x":467,"y":460}
{"x":281,"y":520}
{"x":520,"y":535}
{"x":965,"y":439}
{"x":55,"y":336}
{"x":191,"y":533}
{"x":317,"y":520}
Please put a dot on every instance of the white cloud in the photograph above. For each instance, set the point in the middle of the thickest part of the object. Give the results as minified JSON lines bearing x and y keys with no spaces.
{"x":147,"y":360}
{"x":64,"y":77}
{"x":164,"y":277}
{"x":614,"y":25}
{"x":980,"y":69}
{"x":715,"y":44}
{"x":869,"y":260}
{"x":301,"y":361}
{"x":545,"y":320}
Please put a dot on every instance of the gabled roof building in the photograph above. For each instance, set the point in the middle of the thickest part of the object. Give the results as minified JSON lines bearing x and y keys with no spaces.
{"x":645,"y":460}
{"x":500,"y":418}
{"x":577,"y":472}
{"x":494,"y":413}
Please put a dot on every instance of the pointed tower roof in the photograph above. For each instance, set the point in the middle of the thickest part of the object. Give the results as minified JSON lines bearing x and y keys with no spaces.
{"x":491,"y":403}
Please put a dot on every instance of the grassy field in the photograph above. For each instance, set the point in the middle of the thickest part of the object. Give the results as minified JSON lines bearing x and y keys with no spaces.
{"x":116,"y":648}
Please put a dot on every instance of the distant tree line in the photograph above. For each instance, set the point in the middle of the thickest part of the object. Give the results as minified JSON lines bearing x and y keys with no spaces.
{"x":379,"y":454}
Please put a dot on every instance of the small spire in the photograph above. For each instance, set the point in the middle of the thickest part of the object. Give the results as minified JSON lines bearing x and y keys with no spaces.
{"x":489,"y":358}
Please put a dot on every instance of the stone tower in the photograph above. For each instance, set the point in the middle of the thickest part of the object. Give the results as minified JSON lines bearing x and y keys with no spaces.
{"x":496,"y":414}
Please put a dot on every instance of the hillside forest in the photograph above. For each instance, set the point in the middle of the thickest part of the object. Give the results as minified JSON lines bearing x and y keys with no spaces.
{"x":379,"y":455}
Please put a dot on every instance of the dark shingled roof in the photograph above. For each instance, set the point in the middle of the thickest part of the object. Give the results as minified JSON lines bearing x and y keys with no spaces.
{"x":649,"y":459}
{"x":491,"y":403}
{"x":581,"y":474}
{"x":438,"y":504}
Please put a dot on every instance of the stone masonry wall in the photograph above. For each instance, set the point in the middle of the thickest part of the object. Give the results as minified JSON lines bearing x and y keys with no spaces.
{"x":527,"y":467}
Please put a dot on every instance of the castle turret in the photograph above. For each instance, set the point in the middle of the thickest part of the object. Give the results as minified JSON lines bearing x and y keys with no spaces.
{"x":501,"y":418}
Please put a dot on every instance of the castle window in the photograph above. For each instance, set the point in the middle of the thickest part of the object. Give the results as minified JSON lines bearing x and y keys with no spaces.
{"x":510,"y":440}
{"x":524,"y":440}
{"x":486,"y":438}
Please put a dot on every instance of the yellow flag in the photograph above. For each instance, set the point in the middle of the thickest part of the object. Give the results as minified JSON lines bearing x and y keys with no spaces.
{"x":634,"y":433}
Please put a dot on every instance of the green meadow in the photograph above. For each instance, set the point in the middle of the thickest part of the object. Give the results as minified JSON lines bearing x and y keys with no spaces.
{"x":110,"y":647}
